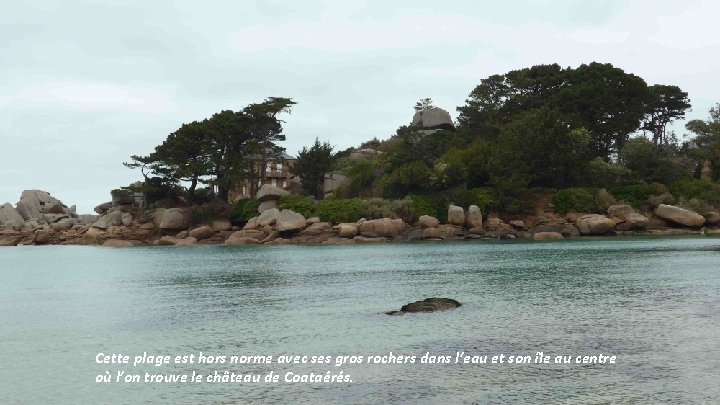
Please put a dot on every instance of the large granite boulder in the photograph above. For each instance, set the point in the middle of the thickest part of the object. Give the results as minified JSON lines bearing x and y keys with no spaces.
{"x":426,"y":221}
{"x":547,"y":236}
{"x":346,"y":230}
{"x":9,"y":217}
{"x":594,"y":224}
{"x":318,"y":228}
{"x":126,"y":219}
{"x":175,"y":219}
{"x":446,"y":231}
{"x":117,"y":243}
{"x":266,"y":205}
{"x":456,"y":215}
{"x":270,"y":192}
{"x":268,"y":217}
{"x":712,"y":218}
{"x":290,"y":221}
{"x":627,"y":218}
{"x":202,"y":232}
{"x":474,"y":218}
{"x":680,"y":216}
{"x":382,"y":227}
{"x":433,"y":118}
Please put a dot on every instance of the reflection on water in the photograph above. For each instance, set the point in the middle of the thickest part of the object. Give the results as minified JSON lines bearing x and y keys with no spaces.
{"x":654,"y":303}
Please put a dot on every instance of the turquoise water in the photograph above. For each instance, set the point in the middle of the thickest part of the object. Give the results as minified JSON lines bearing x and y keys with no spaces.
{"x":653,"y":303}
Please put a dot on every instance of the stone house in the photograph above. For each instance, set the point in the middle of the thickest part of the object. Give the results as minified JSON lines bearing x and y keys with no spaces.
{"x":276,"y":172}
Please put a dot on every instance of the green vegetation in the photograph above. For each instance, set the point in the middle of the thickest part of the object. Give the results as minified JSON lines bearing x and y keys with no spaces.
{"x":243,"y":211}
{"x":574,"y":200}
{"x":594,"y":132}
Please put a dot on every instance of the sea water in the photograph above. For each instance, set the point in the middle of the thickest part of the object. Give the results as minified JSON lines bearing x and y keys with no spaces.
{"x":652,"y":303}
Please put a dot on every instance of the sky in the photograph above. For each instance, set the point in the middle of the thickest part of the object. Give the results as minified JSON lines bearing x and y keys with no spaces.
{"x":86,"y":84}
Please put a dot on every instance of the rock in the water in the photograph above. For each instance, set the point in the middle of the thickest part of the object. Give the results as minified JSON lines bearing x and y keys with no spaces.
{"x":347,"y":230}
{"x":433,"y":118}
{"x":679,"y":216}
{"x":446,"y":231}
{"x":175,"y":219}
{"x":290,"y":221}
{"x":594,"y":224}
{"x":231,"y":241}
{"x":117,"y":243}
{"x":547,"y":236}
{"x":9,"y":217}
{"x":270,"y":192}
{"x":318,"y":228}
{"x":428,"y":305}
{"x":266,"y":205}
{"x":202,"y":232}
{"x":382,"y":227}
{"x":426,"y":221}
{"x":126,"y":219}
{"x":628,"y":218}
{"x":474,"y":218}
{"x":456,"y":215}
{"x":167,"y":241}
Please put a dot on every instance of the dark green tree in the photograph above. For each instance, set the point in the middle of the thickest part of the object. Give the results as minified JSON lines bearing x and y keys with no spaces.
{"x":705,"y":146}
{"x":663,"y":105}
{"x":311,"y":166}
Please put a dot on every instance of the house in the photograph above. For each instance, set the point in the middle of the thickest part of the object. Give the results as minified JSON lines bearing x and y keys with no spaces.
{"x":276,"y":172}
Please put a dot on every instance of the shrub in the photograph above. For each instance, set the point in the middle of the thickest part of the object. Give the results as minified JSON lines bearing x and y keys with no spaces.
{"x":205,"y":213}
{"x":341,"y":209}
{"x":635,"y":195}
{"x":243,"y":211}
{"x":574,"y":199}
{"x":300,"y":204}
{"x":694,"y":204}
{"x":427,"y":205}
{"x":604,"y":174}
{"x":698,"y":189}
{"x":603,"y":200}
{"x":482,"y":197}
{"x":664,"y":198}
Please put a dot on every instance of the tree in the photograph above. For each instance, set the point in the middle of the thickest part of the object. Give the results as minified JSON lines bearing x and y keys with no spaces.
{"x":311,"y":166}
{"x":705,"y":146}
{"x":604,"y":100}
{"x":423,"y":104}
{"x":663,"y":105}
{"x":221,"y":150}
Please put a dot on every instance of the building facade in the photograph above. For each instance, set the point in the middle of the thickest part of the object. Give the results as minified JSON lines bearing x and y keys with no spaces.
{"x":276,"y":172}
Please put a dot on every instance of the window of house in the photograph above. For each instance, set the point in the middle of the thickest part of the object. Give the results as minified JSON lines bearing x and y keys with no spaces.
{"x":279,"y":166}
{"x":268,"y":167}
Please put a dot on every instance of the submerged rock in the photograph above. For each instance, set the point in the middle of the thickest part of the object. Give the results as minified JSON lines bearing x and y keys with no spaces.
{"x":427,"y":305}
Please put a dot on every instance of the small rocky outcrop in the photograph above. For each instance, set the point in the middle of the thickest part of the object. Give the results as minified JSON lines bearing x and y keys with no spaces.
{"x":456,"y":215}
{"x":680,"y":216}
{"x":594,"y":224}
{"x":427,"y":305}
{"x":9,"y":217}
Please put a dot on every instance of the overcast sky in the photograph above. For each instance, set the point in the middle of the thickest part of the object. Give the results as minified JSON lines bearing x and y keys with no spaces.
{"x":86,"y":84}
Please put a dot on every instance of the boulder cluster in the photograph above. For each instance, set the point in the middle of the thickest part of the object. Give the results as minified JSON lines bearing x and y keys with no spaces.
{"x":39,"y":218}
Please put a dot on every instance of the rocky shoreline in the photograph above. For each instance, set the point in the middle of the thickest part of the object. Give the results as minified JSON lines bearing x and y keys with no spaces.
{"x":40,"y":219}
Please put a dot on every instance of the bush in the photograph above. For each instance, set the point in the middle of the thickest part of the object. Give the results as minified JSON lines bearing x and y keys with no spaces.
{"x":300,"y":204}
{"x":664,"y":198}
{"x":341,"y":209}
{"x":636,"y":195}
{"x":603,"y":200}
{"x":702,"y":189}
{"x":243,"y":211}
{"x":694,"y":204}
{"x":203,"y":214}
{"x":427,"y":205}
{"x":482,"y":197}
{"x":604,"y":174}
{"x":379,"y":208}
{"x":574,"y":200}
